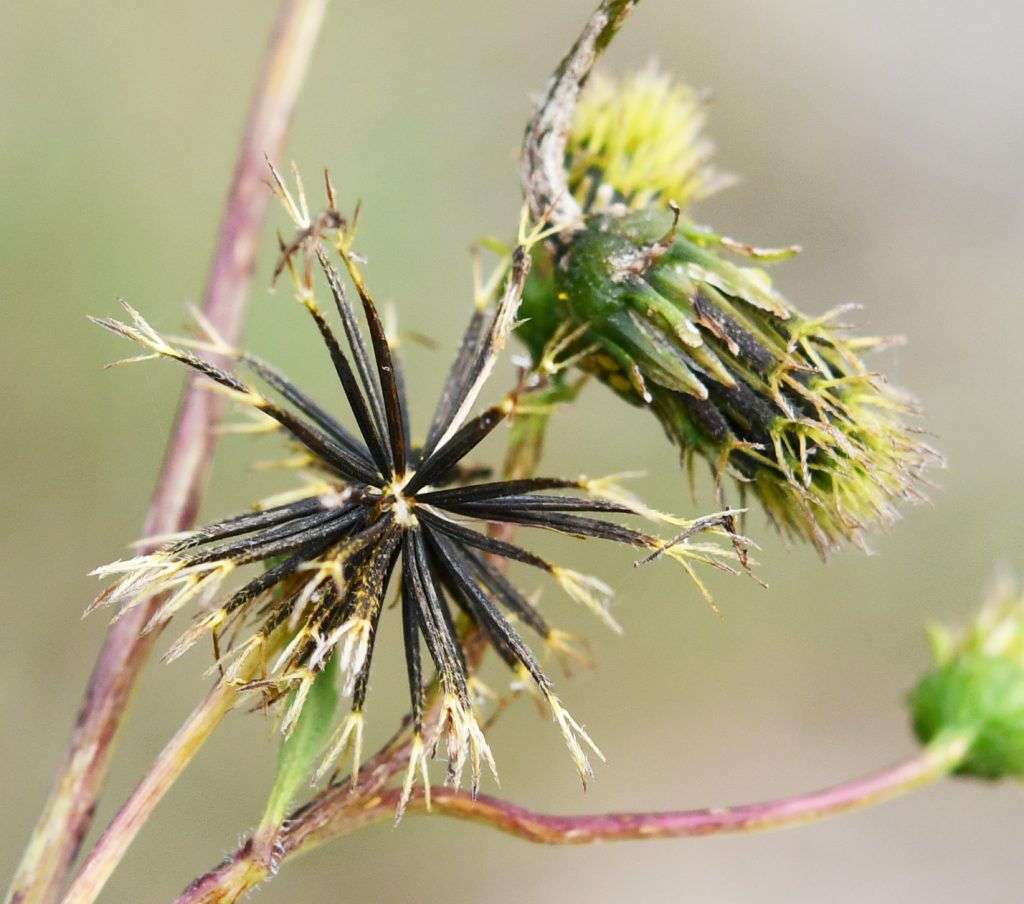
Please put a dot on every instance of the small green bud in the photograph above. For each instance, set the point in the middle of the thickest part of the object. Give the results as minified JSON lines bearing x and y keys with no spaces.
{"x":977,"y":689}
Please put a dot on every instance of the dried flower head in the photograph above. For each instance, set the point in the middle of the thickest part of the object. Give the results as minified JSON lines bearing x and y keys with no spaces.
{"x":778,"y":400}
{"x":379,"y":504}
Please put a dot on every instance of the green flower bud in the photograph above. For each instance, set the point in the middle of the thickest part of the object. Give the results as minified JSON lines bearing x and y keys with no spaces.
{"x":735,"y":374}
{"x":977,"y":689}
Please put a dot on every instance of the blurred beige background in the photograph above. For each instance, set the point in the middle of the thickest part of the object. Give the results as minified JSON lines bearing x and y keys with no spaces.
{"x":887,"y":138}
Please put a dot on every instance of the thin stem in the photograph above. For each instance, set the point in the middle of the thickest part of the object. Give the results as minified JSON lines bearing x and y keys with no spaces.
{"x":68,"y":812}
{"x":136,"y":810}
{"x":543,"y":157}
{"x":245,"y":869}
{"x":316,"y":821}
{"x":229,"y":881}
{"x":332,"y":815}
{"x":931,"y":764}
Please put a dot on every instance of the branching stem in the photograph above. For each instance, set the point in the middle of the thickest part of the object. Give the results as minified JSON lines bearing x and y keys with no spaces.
{"x":68,"y":812}
{"x":332,"y":815}
{"x":136,"y":810}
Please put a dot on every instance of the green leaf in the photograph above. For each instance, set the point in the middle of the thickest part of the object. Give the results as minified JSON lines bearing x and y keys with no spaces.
{"x":300,"y":749}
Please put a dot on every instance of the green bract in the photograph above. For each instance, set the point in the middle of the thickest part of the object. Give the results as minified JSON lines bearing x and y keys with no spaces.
{"x":735,"y":374}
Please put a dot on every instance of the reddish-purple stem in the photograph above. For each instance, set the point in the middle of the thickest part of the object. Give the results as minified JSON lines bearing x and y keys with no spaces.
{"x":339,"y":811}
{"x":775,"y":814}
{"x":68,"y":813}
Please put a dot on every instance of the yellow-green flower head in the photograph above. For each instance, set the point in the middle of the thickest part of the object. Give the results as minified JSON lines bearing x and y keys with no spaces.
{"x":640,"y":143}
{"x":977,"y":689}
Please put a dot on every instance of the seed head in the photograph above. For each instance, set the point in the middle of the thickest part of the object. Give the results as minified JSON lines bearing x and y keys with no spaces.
{"x":381,"y":510}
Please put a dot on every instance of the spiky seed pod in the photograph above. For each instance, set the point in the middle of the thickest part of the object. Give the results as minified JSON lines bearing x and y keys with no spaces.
{"x":381,"y":510}
{"x":778,"y":400}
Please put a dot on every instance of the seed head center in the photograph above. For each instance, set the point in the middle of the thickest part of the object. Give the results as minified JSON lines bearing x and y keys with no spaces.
{"x":401,"y":506}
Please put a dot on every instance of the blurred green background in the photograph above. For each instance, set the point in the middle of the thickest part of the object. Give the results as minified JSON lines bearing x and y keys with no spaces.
{"x":887,"y":138}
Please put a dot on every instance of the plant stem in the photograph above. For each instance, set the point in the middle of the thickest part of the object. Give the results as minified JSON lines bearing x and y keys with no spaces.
{"x":330,"y":816}
{"x":931,"y":764}
{"x":136,"y":810}
{"x":229,"y":881}
{"x":68,"y":812}
{"x":543,"y":156}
